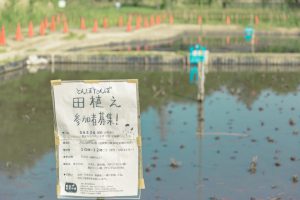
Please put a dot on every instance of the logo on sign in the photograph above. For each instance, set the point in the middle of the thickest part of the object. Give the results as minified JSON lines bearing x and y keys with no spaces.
{"x":71,"y":187}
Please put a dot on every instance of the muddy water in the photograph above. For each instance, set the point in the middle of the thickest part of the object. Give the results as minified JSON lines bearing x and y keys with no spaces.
{"x":215,"y":43}
{"x":190,"y":150}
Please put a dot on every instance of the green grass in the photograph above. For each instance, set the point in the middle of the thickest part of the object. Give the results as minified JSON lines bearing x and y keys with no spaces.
{"x":267,"y":17}
{"x":74,"y":36}
{"x":2,"y":50}
{"x":10,"y":60}
{"x":90,"y":10}
{"x":32,"y":50}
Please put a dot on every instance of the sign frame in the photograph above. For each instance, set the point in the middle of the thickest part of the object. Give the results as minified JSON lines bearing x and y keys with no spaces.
{"x":141,"y":183}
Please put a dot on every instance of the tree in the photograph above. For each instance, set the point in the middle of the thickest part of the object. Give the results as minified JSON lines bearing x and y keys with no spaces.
{"x":225,"y":3}
{"x":292,"y":2}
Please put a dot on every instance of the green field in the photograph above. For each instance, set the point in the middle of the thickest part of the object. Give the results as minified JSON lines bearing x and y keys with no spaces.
{"x":37,"y":10}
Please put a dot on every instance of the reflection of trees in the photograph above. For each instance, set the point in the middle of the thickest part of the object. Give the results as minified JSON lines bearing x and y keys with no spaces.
{"x":26,"y":111}
{"x":247,"y":86}
{"x":26,"y":108}
{"x":162,"y":122}
{"x":26,"y":118}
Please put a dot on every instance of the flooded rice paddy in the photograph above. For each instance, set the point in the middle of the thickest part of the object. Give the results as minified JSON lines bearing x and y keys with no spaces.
{"x":220,"y":42}
{"x":190,"y":150}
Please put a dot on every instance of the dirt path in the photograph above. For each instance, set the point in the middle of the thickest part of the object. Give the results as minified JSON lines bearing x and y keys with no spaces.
{"x":59,"y":42}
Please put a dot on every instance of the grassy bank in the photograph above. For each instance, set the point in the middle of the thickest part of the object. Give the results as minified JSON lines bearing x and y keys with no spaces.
{"x":36,"y":11}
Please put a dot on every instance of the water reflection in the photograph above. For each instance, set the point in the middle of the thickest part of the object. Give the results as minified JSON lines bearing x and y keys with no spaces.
{"x":216,"y":43}
{"x":12,"y":75}
{"x":37,"y":182}
{"x":217,"y":165}
{"x":211,"y":161}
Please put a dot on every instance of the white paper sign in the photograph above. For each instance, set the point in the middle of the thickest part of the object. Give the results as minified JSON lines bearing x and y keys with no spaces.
{"x":96,"y":130}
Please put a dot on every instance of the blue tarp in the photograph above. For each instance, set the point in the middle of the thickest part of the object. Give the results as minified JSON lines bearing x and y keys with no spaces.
{"x":197,"y":54}
{"x":248,"y":34}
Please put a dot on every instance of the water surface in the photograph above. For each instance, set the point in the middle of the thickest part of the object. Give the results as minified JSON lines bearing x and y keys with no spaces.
{"x":245,"y":114}
{"x":221,"y":42}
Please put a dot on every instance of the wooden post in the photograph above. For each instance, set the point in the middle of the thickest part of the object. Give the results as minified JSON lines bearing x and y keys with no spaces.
{"x":201,"y":80}
{"x":199,"y":134}
{"x":200,"y":128}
